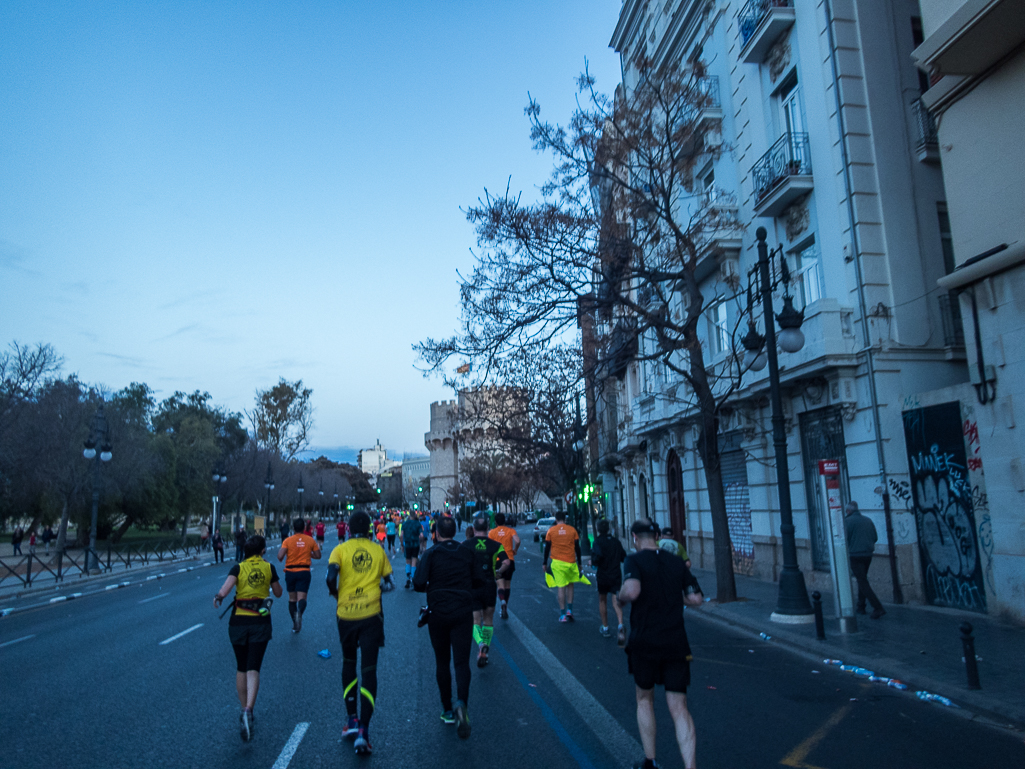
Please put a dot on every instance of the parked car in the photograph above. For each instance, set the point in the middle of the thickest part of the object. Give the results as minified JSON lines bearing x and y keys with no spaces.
{"x":541,"y":528}
{"x":531,"y":516}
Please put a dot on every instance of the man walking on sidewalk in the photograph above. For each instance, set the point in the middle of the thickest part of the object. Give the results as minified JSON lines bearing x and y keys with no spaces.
{"x":658,"y":585}
{"x":861,"y":544}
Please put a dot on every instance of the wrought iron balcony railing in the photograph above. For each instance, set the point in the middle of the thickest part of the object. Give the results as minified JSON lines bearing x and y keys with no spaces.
{"x":925,"y":123}
{"x":789,"y":156}
{"x":953,"y":326}
{"x":709,"y":86}
{"x":753,"y":12}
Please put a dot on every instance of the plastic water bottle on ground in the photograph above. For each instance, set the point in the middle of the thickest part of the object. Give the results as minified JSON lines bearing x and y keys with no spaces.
{"x":765,"y":636}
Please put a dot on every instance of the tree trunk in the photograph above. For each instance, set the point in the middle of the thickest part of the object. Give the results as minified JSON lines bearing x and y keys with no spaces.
{"x":124,"y":527}
{"x":62,"y":530}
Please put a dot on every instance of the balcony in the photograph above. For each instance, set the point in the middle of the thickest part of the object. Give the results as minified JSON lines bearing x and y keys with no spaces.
{"x":623,"y":346}
{"x":782,"y":174}
{"x":950,"y":315}
{"x":927,"y":143}
{"x":761,"y":23}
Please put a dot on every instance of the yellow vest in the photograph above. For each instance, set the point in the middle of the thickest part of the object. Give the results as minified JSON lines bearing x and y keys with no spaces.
{"x":253,"y":582}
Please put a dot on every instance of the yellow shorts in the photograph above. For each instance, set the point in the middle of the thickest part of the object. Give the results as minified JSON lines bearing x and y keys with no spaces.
{"x":564,"y":574}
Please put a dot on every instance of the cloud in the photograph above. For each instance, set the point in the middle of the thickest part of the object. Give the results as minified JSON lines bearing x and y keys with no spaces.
{"x":16,"y":258}
{"x":184,"y":301}
{"x":128,"y":360}
{"x":182,"y":330}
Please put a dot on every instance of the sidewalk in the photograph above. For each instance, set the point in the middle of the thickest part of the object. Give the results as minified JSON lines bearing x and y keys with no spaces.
{"x":919,"y":645}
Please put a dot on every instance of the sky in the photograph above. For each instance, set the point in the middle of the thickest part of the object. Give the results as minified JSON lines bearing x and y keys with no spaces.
{"x":213,"y":195}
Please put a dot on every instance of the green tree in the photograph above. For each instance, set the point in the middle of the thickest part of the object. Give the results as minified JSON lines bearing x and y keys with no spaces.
{"x":283,"y":417}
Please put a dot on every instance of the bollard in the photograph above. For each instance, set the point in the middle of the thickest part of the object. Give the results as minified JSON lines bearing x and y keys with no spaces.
{"x":970,"y":663}
{"x":820,"y":625}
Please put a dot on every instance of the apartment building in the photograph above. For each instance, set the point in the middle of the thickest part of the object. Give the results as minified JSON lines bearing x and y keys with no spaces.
{"x":829,"y":150}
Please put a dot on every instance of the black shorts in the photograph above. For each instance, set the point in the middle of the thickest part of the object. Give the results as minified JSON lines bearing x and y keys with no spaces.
{"x":412,"y":551}
{"x":297,"y":581}
{"x":485,"y":597}
{"x":362,"y":634}
{"x":509,"y":571}
{"x":609,"y":583}
{"x":249,"y":642}
{"x":673,"y":674}
{"x":391,"y":540}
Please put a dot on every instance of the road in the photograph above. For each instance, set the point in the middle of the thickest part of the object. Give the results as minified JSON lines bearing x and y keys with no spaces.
{"x":144,"y":677}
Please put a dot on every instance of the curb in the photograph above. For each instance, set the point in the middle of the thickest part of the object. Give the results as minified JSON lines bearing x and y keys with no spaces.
{"x":973,"y":706}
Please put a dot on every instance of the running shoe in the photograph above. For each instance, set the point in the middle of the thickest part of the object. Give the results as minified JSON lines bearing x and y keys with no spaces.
{"x":482,"y":656}
{"x":362,"y":744}
{"x":563,"y":618}
{"x":298,"y":622}
{"x":409,"y":583}
{"x":505,"y":612}
{"x":604,"y":632}
{"x":448,"y":717}
{"x":351,"y":728}
{"x":245,"y":725}
{"x":569,"y":617}
{"x":462,"y":720}
{"x":621,"y":636}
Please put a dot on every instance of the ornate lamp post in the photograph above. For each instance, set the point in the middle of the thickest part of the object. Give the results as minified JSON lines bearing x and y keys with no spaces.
{"x":215,"y":521}
{"x":97,"y":437}
{"x":268,"y":484}
{"x":301,"y":490}
{"x":792,"y":605}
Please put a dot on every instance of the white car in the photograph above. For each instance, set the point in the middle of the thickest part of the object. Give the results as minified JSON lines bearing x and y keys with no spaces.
{"x":541,"y":528}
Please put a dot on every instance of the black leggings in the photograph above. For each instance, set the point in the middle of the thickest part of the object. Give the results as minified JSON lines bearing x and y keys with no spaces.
{"x":249,"y":656}
{"x":457,"y":636}
{"x":366,"y":638}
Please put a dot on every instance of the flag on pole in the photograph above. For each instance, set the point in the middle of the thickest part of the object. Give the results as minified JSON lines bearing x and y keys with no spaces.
{"x":464,"y":369}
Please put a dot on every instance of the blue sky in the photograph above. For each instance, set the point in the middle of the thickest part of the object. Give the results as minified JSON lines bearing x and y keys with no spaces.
{"x":210,"y":195}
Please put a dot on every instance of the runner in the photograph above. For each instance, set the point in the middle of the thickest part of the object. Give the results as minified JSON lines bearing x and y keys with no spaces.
{"x":658,"y":585}
{"x":249,"y":627}
{"x":389,"y":530}
{"x":412,"y":542}
{"x":380,"y":532}
{"x":489,"y":561}
{"x":340,"y":527}
{"x":445,"y":573}
{"x":668,"y":542}
{"x":607,"y":554}
{"x":319,"y":528}
{"x":299,"y":549}
{"x":357,"y":573}
{"x":510,"y":541}
{"x":562,"y":545}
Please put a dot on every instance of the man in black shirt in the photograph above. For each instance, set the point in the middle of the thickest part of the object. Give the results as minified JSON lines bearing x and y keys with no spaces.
{"x":658,"y":584}
{"x":489,"y":564}
{"x":606,"y":556}
{"x":445,"y":573}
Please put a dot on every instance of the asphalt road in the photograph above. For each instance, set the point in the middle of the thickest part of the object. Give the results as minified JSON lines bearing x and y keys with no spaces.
{"x":98,"y":682}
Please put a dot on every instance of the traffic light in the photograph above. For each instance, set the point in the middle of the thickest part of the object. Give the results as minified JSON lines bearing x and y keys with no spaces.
{"x":416,"y":506}
{"x":420,"y":489}
{"x":378,"y":491}
{"x":350,"y":507}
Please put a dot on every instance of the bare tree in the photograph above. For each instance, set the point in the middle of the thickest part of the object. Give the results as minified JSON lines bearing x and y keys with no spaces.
{"x":623,"y":237}
{"x":283,"y":417}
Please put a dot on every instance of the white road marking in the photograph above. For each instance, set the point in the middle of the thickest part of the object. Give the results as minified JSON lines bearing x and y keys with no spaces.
{"x":17,"y":640}
{"x":155,"y":597}
{"x":291,"y":746}
{"x":184,"y":632}
{"x":617,"y":741}
{"x":58,"y":599}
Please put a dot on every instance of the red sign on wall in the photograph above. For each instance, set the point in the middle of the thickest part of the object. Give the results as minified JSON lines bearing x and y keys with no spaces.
{"x":829,"y":467}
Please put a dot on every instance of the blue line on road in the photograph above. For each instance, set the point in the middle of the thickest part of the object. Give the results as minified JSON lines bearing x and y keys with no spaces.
{"x":575,"y":750}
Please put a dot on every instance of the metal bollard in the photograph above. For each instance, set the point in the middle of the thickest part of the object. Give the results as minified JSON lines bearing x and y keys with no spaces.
{"x":970,"y":663}
{"x":820,"y":625}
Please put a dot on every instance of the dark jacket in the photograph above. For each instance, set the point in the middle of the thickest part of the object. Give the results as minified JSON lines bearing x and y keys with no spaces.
{"x":861,"y":535}
{"x":607,"y":554}
{"x":445,"y":573}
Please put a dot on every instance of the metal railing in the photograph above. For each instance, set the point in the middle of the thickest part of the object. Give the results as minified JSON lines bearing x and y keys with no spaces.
{"x":789,"y":156}
{"x":709,"y":87}
{"x":70,"y":562}
{"x":753,"y":12}
{"x":950,"y":316}
{"x":925,"y":123}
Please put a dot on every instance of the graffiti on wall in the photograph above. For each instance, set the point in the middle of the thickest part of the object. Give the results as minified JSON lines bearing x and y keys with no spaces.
{"x":942,"y":500}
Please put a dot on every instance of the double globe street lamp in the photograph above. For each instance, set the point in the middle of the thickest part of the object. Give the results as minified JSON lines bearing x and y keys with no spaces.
{"x":97,"y":438}
{"x":792,"y":604}
{"x":218,"y":478}
{"x":268,"y":484}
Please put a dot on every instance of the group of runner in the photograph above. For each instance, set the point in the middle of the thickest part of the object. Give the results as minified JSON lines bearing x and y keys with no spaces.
{"x":466,"y":583}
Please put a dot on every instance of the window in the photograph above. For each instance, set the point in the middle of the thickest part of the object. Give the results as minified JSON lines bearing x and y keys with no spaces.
{"x":791,"y":112}
{"x":718,"y":329}
{"x":708,"y":187}
{"x":946,"y":238}
{"x":806,"y":266}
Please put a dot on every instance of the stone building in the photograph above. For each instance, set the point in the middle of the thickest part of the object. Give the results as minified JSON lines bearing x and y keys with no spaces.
{"x":819,"y":102}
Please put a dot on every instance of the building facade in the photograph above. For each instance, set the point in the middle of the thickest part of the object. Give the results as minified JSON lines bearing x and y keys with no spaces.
{"x":374,"y":460}
{"x":818,"y":104}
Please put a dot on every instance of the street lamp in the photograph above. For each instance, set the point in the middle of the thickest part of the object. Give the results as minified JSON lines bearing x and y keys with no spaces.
{"x":218,"y":477}
{"x":97,"y":436}
{"x":268,"y":484}
{"x":321,"y":501}
{"x":792,"y":605}
{"x":301,"y":490}
{"x":337,"y":502}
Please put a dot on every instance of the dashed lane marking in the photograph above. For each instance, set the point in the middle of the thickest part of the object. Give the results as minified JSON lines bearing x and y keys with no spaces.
{"x":795,"y":758}
{"x":291,"y":746}
{"x":607,"y":729}
{"x":179,"y":635}
{"x":154,"y":597}
{"x":17,"y":640}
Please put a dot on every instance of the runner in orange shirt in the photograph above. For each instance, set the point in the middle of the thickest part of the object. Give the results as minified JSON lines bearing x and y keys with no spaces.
{"x":562,"y":545}
{"x":510,"y":541}
{"x":299,"y":548}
